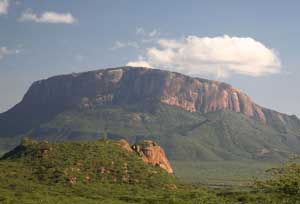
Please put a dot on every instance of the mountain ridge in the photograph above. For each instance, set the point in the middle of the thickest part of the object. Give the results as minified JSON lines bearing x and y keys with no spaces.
{"x":128,"y":84}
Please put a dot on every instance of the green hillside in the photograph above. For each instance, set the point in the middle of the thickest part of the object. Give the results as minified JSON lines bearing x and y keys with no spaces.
{"x":192,"y":141}
{"x":85,"y":162}
{"x":87,"y":172}
{"x":222,"y":135}
{"x":104,"y":172}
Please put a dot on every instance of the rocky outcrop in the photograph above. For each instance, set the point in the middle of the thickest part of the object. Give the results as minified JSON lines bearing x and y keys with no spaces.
{"x":149,"y":151}
{"x":152,"y":153}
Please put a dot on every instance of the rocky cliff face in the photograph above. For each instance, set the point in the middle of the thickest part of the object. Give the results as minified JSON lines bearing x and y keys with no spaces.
{"x":207,"y":96}
{"x":127,"y":85}
{"x":133,"y":85}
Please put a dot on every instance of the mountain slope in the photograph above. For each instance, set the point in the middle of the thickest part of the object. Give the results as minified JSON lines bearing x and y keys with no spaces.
{"x":193,"y":119}
{"x":185,"y":136}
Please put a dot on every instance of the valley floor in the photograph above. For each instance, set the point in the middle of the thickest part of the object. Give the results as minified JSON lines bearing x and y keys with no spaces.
{"x":222,"y":173}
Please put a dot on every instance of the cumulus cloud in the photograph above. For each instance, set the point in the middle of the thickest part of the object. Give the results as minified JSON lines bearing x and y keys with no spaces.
{"x":216,"y":56}
{"x":48,"y":17}
{"x":139,"y":63}
{"x":4,"y":4}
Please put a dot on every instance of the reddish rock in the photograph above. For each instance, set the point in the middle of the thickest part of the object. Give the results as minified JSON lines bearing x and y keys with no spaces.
{"x":128,"y":85}
{"x":152,"y":153}
{"x":207,"y":96}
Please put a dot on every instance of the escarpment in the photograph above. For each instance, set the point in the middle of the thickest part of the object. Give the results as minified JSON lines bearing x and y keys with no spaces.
{"x":128,"y":86}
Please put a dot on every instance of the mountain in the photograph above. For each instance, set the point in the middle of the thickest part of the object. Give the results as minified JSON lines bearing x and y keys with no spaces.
{"x":194,"y":119}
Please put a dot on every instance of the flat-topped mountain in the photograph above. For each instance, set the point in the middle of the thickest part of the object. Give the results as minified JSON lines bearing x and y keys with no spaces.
{"x":131,"y":85}
{"x":128,"y":85}
{"x":193,"y":119}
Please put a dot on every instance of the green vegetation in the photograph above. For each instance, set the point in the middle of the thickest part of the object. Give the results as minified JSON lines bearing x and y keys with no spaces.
{"x":222,"y":173}
{"x":84,"y":162}
{"x":104,"y":172}
{"x":88,"y":172}
{"x":282,"y":188}
{"x":193,"y":141}
{"x":222,"y":135}
{"x":285,"y":181}
{"x":189,"y":139}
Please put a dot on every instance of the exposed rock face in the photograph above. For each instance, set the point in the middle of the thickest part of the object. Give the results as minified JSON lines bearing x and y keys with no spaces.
{"x":152,"y":153}
{"x":208,"y":96}
{"x":130,"y":85}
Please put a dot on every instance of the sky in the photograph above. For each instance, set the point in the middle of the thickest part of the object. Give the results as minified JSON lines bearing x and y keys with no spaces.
{"x":253,"y":45}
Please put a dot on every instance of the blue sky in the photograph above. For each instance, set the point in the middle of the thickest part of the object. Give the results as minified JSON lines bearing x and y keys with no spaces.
{"x":42,"y":38}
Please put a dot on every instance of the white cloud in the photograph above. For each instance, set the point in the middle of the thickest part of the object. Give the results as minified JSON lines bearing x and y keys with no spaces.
{"x":48,"y":17}
{"x":216,"y":56}
{"x":4,"y":4}
{"x":119,"y":45}
{"x":139,"y":63}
